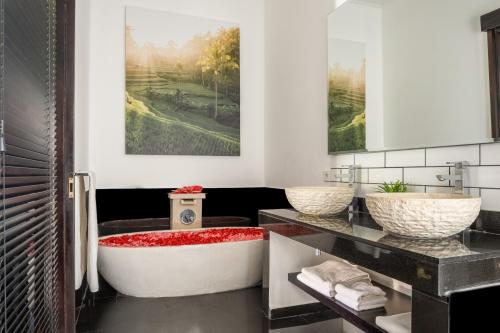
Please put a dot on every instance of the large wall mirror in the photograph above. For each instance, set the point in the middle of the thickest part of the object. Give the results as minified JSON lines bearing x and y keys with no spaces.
{"x":408,"y":73}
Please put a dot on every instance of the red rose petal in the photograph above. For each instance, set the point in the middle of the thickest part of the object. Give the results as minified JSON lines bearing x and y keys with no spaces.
{"x":189,"y":189}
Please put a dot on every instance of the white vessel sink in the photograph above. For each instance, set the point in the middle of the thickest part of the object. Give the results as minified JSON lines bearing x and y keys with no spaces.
{"x":320,"y":200}
{"x":423,"y":215}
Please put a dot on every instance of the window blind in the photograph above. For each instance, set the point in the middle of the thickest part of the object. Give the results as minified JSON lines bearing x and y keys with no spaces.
{"x":28,"y":232}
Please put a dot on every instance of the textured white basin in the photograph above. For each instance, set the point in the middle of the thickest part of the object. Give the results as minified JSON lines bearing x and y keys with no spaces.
{"x":320,"y":200}
{"x":423,"y":215}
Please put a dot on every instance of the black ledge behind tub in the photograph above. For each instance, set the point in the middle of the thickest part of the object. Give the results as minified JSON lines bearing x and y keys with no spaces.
{"x":125,"y":204}
{"x":153,"y":224}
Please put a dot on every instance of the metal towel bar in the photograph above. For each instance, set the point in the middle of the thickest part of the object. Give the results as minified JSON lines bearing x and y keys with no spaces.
{"x":71,"y":183}
{"x":81,"y":174}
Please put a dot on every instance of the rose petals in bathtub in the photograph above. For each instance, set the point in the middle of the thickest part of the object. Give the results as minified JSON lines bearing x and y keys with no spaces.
{"x":179,"y":238}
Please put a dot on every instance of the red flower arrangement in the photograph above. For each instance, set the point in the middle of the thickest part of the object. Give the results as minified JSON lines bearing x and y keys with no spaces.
{"x":189,"y":189}
{"x":179,"y":238}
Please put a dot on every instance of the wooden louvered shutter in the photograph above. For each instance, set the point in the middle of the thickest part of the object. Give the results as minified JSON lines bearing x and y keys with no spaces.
{"x":29,"y":230}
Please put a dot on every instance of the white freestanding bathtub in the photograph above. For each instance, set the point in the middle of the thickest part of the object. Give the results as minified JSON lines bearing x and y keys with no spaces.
{"x":174,"y":263}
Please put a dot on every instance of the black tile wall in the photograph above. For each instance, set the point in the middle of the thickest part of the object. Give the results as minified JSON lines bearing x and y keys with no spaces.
{"x":123,"y":204}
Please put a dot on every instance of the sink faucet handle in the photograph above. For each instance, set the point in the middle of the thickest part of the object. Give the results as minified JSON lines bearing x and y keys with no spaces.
{"x":459,"y":164}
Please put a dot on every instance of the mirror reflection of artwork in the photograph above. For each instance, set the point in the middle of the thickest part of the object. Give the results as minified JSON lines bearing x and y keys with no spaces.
{"x":346,"y":96}
{"x":182,"y":85}
{"x":426,"y":76}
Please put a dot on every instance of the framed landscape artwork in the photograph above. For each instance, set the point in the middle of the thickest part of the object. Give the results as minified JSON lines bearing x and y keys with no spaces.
{"x":182,"y":85}
{"x":346,"y":96}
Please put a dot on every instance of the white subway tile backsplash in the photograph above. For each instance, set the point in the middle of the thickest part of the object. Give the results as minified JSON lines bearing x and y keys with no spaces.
{"x":381,"y":175}
{"x":405,"y":158}
{"x":416,"y":188}
{"x":451,"y":189}
{"x":425,"y":176}
{"x":483,"y":176}
{"x":438,"y":189}
{"x":362,"y":176}
{"x":439,"y":156}
{"x":364,"y":189}
{"x":337,"y":161}
{"x":490,"y":199}
{"x":490,"y":154}
{"x":335,"y":175}
{"x":419,"y":168}
{"x":370,"y":160}
{"x":474,"y":191}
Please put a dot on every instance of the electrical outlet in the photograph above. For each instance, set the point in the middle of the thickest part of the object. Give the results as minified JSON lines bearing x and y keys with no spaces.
{"x":326,"y":175}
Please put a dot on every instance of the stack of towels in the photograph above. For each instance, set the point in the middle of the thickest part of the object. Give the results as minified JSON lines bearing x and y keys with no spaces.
{"x":345,"y":282}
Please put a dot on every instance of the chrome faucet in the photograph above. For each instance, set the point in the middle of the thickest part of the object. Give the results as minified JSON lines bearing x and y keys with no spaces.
{"x":350,"y":176}
{"x":458,"y":177}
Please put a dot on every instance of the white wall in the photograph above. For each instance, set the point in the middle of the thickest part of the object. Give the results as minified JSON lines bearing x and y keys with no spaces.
{"x":284,"y":95}
{"x":296,"y":92}
{"x":105,"y":108}
{"x":294,"y":87}
{"x":363,"y":23}
{"x":82,"y":85}
{"x":297,"y":85}
{"x":287,"y":256}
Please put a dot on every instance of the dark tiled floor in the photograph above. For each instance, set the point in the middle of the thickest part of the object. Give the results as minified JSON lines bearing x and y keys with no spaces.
{"x":231,"y":312}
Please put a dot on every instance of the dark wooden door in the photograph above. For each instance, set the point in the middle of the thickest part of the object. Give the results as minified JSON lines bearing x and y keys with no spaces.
{"x":34,"y":111}
{"x":490,"y":23}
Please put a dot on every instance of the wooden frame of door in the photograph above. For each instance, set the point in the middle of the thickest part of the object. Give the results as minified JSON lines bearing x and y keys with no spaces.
{"x":65,"y":77}
{"x":490,"y":23}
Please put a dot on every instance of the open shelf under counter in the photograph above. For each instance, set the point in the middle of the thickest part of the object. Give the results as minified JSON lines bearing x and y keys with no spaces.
{"x":438,"y":267}
{"x":446,"y":275}
{"x":365,"y":320}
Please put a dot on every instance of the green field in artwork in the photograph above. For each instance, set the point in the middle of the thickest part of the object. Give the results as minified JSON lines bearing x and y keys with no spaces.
{"x":183,"y":99}
{"x":346,"y":97}
{"x":347,"y":123}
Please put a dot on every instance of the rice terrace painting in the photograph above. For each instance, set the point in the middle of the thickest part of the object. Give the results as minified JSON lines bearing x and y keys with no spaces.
{"x":346,"y":96}
{"x":182,"y":85}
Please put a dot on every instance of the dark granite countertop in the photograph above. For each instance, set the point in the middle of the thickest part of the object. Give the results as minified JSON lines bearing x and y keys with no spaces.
{"x":467,"y":260}
{"x":466,"y":246}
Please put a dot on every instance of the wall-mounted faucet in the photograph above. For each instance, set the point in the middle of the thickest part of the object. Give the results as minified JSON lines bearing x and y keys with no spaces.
{"x":350,"y":176}
{"x":457,"y":177}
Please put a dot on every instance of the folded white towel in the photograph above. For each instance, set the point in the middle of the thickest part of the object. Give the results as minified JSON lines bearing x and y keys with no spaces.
{"x":376,"y":302}
{"x":400,"y":323}
{"x":80,"y":231}
{"x":322,"y":287}
{"x":359,"y":291}
{"x":333,"y":272}
{"x":93,"y":238}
